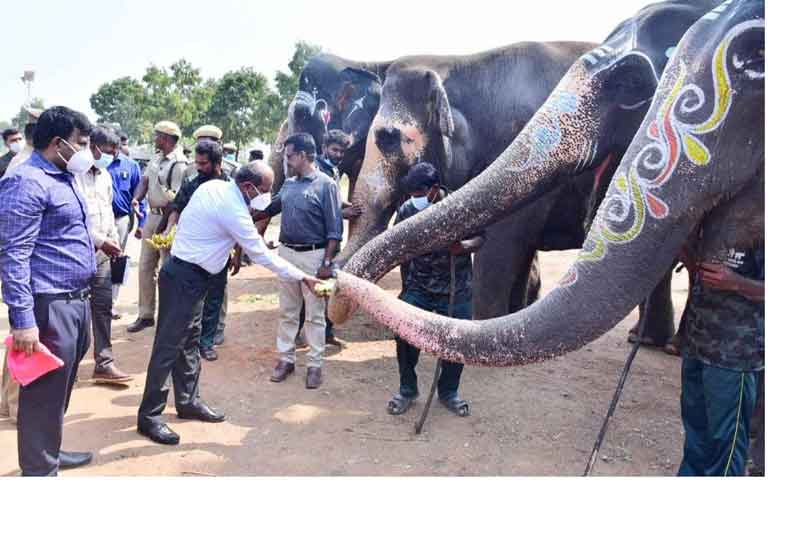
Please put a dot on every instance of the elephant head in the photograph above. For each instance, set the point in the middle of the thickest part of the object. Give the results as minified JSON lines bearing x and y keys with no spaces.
{"x":589,"y":119}
{"x":414,"y":122}
{"x":698,"y":152}
{"x":333,"y":93}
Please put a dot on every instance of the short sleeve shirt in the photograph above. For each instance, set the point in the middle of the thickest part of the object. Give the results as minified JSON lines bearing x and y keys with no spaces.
{"x":165,"y":174}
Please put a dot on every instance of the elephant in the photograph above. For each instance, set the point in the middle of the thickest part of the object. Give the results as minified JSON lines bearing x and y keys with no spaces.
{"x":333,"y":93}
{"x":459,"y":113}
{"x":603,"y":97}
{"x":696,"y":161}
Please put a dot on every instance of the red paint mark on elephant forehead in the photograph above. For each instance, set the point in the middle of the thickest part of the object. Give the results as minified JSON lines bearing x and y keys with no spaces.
{"x":653,"y":130}
{"x":599,"y":172}
{"x":657,"y":207}
{"x":569,"y":278}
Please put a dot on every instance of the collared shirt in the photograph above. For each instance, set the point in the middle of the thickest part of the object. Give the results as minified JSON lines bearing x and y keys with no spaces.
{"x":724,"y":328}
{"x":214,"y":220}
{"x":45,"y":240}
{"x":4,"y":161}
{"x":96,"y":185}
{"x":165,"y":174}
{"x":18,"y":159}
{"x":430,"y":273}
{"x":189,"y":188}
{"x":312,"y":210}
{"x":126,"y":176}
{"x":327,"y":167}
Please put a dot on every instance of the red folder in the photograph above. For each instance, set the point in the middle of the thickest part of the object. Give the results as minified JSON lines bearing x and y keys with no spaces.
{"x":25,"y":369}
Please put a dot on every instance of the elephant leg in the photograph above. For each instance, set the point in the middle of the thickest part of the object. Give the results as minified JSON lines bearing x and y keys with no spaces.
{"x":500,"y":278}
{"x":659,"y":327}
{"x":526,"y":284}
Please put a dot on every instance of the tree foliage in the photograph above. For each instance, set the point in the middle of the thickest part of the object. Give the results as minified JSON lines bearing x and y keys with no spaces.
{"x":242,"y":102}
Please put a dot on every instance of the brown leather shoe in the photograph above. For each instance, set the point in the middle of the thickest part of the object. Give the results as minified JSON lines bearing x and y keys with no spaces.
{"x":282,"y":371}
{"x":110,"y":375}
{"x":314,"y":377}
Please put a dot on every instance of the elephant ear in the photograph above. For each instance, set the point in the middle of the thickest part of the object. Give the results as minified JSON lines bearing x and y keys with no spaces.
{"x":440,"y":110}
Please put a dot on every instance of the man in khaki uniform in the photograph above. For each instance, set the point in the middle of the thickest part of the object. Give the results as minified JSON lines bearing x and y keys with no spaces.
{"x":161,"y":181}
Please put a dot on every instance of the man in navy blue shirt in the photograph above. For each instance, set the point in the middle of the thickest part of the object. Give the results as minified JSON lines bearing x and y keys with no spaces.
{"x":126,"y":176}
{"x":46,"y":265}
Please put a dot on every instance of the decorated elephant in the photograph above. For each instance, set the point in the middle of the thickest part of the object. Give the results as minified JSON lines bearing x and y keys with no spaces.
{"x":696,"y":161}
{"x":333,"y":93}
{"x":602,"y":99}
{"x":460,"y":113}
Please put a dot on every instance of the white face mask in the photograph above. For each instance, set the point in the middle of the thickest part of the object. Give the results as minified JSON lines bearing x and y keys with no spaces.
{"x":16,"y":146}
{"x":420,"y":202}
{"x":104,"y":160}
{"x":260,"y":202}
{"x":80,"y":161}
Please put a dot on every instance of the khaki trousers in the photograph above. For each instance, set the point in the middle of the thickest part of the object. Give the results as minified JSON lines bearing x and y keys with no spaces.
{"x":292,"y":295}
{"x":148,"y":267}
{"x":9,"y":398}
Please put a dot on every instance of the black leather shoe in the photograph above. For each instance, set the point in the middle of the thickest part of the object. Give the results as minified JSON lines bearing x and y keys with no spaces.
{"x":140,"y":324}
{"x":160,"y":433}
{"x":200,"y":411}
{"x":72,"y":460}
{"x":208,"y":353}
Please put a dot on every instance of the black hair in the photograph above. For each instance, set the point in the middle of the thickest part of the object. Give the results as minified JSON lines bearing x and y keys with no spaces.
{"x":337,"y":137}
{"x":420,"y":176}
{"x":8,"y":132}
{"x":256,"y":155}
{"x":59,"y":121}
{"x":303,"y":142}
{"x":102,"y":135}
{"x":211,"y":150}
{"x":123,"y":136}
{"x":247,"y":174}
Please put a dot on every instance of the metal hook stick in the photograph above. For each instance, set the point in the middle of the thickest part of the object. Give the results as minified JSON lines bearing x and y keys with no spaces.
{"x":618,"y":391}
{"x":450,"y":311}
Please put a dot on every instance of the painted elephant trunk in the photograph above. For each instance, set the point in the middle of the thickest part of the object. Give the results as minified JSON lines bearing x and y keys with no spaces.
{"x":549,"y":144}
{"x":587,"y":303}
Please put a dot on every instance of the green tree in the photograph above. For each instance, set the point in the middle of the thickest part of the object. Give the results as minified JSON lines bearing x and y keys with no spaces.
{"x":242,"y":105}
{"x":22,"y":117}
{"x":121,"y":101}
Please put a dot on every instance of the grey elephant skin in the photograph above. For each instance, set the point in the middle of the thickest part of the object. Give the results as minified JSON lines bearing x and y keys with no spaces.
{"x":336,"y":93}
{"x":460,"y":113}
{"x":604,"y":97}
{"x":696,"y":161}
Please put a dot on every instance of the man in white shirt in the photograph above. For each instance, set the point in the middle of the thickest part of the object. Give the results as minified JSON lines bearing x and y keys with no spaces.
{"x":97,"y":188}
{"x":216,"y":218}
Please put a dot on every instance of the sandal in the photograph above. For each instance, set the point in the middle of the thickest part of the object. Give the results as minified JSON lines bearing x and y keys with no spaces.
{"x":456,"y":405}
{"x":399,"y":404}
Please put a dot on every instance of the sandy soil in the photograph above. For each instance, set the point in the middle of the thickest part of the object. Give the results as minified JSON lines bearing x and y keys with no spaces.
{"x":535,"y":420}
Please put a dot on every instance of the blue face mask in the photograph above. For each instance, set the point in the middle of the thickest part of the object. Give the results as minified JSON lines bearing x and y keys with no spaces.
{"x":104,"y":160}
{"x":420,"y":202}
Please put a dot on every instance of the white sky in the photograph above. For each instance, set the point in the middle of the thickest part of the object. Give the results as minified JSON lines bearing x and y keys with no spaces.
{"x":74,"y":47}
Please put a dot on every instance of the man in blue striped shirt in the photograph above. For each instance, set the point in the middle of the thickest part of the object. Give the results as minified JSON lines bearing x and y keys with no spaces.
{"x":46,"y":265}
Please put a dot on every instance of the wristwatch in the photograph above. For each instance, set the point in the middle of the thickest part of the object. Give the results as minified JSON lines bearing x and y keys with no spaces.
{"x":326,"y":263}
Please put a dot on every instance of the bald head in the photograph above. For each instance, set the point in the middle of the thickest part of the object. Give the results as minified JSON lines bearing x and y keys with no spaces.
{"x":258,"y":173}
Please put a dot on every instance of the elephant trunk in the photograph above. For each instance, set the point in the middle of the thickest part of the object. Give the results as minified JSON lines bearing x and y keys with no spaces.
{"x":549,"y":144}
{"x":276,"y":158}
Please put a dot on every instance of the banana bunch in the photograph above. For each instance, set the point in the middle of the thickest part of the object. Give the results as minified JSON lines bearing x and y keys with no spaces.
{"x":160,"y":241}
{"x":324,"y":289}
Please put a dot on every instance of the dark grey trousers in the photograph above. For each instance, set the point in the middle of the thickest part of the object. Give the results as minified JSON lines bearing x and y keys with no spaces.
{"x":64,"y":330}
{"x":182,"y":288}
{"x":101,"y":308}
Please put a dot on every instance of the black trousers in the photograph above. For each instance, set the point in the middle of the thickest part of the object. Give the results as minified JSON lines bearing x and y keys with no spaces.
{"x":101,"y":315}
{"x":182,"y":288}
{"x":64,"y":328}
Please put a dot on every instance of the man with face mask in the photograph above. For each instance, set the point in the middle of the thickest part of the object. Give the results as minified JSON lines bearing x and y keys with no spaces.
{"x":96,"y":186}
{"x":208,"y":165}
{"x":46,"y":266}
{"x":15,"y":143}
{"x":217,"y":216}
{"x":426,"y":283}
{"x":161,"y":181}
{"x":27,"y":149}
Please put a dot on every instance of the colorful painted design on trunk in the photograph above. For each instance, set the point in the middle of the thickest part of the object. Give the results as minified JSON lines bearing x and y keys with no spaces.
{"x":634,"y":193}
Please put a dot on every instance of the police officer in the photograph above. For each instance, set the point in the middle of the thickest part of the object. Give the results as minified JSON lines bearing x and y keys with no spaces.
{"x":161,"y":181}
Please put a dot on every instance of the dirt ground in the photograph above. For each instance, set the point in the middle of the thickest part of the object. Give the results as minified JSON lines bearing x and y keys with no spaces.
{"x":536,"y":420}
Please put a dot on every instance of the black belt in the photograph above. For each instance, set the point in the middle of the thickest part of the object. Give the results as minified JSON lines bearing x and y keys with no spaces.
{"x":195,"y":267}
{"x":305,"y":248}
{"x":81,"y":295}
